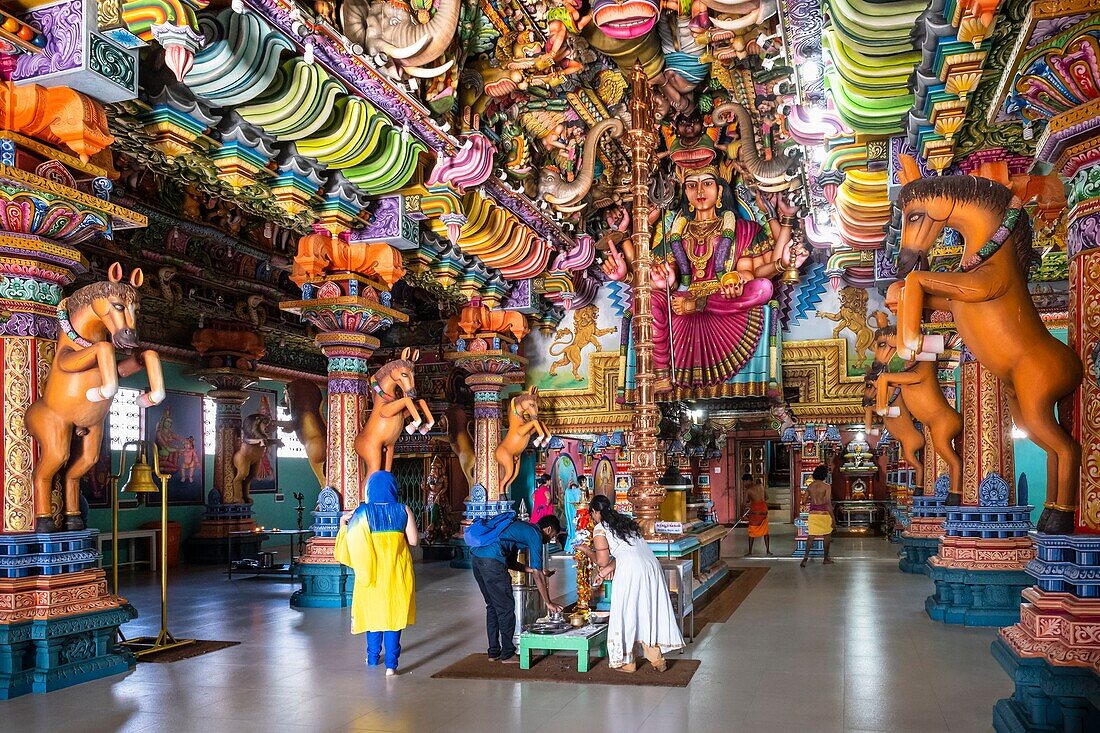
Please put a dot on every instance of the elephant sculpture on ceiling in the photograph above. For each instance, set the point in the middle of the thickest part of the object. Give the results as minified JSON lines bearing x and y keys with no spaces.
{"x":412,"y":41}
{"x":565,"y":195}
{"x":771,"y":175}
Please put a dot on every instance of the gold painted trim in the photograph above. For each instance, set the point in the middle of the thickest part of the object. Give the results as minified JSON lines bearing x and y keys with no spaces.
{"x":818,"y":369}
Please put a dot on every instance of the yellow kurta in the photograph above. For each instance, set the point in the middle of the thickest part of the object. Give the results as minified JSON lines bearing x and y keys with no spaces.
{"x":384,"y":597}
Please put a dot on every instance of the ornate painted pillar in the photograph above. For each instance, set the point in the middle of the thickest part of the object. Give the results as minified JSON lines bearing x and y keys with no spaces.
{"x":987,"y":450}
{"x":491,"y":363}
{"x":1053,"y":653}
{"x":345,"y":295}
{"x":225,"y":511}
{"x":978,"y":570}
{"x":58,"y":622}
{"x":645,"y":493}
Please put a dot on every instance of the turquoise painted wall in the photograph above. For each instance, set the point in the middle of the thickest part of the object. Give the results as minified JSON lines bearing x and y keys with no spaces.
{"x":294,"y":475}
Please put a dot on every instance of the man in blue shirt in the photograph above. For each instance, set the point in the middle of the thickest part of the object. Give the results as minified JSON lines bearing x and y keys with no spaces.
{"x":491,"y":563}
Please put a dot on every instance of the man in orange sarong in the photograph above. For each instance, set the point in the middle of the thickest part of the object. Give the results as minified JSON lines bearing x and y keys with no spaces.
{"x":756,"y":504}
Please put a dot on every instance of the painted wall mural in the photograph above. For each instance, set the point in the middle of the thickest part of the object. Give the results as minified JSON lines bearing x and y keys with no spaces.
{"x":850,"y":313}
{"x":174,"y":429}
{"x":560,"y":360}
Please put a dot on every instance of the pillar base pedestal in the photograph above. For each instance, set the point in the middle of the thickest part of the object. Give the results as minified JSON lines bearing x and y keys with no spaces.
{"x":979,"y":569}
{"x":463,"y":559}
{"x":915,"y":551}
{"x":57,"y":628}
{"x":1047,"y":698}
{"x":1053,"y":653}
{"x":324,"y":585}
{"x":973,"y":597}
{"x":211,"y":544}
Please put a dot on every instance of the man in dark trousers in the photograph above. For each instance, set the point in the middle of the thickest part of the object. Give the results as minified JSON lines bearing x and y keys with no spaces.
{"x":491,"y":563}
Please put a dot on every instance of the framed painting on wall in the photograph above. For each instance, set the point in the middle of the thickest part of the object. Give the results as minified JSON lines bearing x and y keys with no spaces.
{"x":603,"y":478}
{"x":263,"y":401}
{"x":174,"y":429}
{"x":95,"y":486}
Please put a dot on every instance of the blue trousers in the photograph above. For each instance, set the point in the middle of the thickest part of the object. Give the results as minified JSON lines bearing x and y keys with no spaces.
{"x":392,"y":641}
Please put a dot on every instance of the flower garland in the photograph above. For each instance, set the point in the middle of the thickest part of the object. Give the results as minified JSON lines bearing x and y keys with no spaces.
{"x":67,"y":326}
{"x":990,"y":248}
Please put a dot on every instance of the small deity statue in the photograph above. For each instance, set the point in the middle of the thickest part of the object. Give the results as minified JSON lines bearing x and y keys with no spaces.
{"x":719,"y":268}
{"x":561,"y":20}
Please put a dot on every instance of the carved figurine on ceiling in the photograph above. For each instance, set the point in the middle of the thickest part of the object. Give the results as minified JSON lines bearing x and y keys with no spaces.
{"x":394,"y":387}
{"x":685,"y":68}
{"x":304,"y":399}
{"x":853,"y":317}
{"x":475,"y":318}
{"x":252,"y":310}
{"x":716,"y":273}
{"x":771,"y":175}
{"x":567,"y":196}
{"x":258,"y":435}
{"x":562,"y":19}
{"x":995,"y":315}
{"x":96,"y":323}
{"x":412,"y":40}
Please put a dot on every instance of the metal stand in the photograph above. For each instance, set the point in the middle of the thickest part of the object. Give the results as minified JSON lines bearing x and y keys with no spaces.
{"x":145,"y":645}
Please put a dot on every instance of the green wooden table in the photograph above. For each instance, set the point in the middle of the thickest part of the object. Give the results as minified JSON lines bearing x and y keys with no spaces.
{"x":580,"y":640}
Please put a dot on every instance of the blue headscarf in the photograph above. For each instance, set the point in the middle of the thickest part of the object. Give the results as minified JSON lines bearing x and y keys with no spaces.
{"x":382,"y":488}
{"x":383,"y":509}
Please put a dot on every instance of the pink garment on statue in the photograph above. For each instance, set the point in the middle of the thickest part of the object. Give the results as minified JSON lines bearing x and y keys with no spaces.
{"x":710,"y":346}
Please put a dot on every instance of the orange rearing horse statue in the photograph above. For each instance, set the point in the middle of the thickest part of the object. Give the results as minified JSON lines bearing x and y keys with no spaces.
{"x":376,"y":440}
{"x":924,"y":400}
{"x":523,"y":419}
{"x":67,"y":420}
{"x":993,"y":312}
{"x":900,"y":425}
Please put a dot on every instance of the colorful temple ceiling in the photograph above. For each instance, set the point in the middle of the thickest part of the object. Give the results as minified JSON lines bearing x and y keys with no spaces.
{"x":480,"y":147}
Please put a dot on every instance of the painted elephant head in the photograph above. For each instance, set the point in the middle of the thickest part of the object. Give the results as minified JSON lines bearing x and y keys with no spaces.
{"x":382,"y":28}
{"x":772,"y":174}
{"x":564,"y":195}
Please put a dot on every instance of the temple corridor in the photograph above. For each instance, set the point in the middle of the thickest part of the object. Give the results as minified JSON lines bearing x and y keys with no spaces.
{"x":845,"y":647}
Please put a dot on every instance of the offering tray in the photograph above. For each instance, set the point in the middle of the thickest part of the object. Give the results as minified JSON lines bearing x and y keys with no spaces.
{"x":548,"y":628}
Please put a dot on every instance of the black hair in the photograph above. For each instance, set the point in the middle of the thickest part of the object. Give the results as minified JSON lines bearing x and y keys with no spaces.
{"x":746,"y":477}
{"x":821,"y":473}
{"x":551,"y":521}
{"x":621,"y":525}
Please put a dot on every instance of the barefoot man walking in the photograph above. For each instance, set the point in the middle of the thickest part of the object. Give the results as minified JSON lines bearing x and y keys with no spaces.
{"x":821,"y":517}
{"x":756,"y":506}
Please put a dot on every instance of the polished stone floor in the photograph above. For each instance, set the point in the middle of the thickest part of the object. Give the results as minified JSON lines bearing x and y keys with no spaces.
{"x":843,"y":647}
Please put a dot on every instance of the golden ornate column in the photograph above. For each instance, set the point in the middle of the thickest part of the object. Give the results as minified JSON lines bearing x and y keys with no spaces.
{"x":345,"y":296}
{"x":645,"y":494}
{"x":987,"y":434}
{"x":490,"y":365}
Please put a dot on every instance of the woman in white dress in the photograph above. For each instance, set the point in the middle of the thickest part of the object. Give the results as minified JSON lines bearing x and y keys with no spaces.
{"x":641,"y":609}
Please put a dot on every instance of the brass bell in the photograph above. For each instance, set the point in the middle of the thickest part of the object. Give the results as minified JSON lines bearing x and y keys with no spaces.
{"x":790,"y":275}
{"x":141,"y":477}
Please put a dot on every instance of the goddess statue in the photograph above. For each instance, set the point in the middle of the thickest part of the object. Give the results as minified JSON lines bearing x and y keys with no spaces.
{"x":707,"y":289}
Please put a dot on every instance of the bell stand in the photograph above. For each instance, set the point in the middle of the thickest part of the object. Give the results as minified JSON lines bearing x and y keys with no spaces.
{"x":143,"y":484}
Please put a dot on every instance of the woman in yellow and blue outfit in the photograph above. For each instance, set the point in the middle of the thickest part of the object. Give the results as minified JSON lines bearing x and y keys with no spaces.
{"x":374,"y":541}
